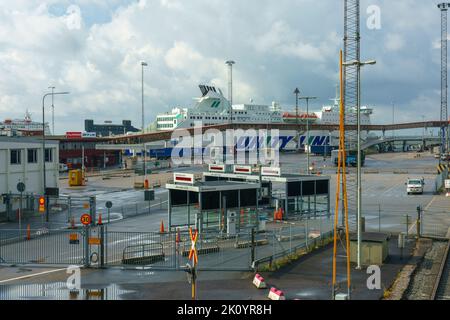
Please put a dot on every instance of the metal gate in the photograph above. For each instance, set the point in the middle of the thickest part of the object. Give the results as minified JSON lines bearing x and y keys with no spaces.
{"x":45,"y":247}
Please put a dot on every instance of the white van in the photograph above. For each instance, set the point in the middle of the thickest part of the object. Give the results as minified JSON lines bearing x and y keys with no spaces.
{"x":415,"y":186}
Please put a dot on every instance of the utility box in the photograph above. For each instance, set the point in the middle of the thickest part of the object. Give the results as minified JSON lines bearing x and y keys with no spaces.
{"x":149,"y":195}
{"x":374,"y":248}
{"x":76,"y":178}
{"x":231,"y":223}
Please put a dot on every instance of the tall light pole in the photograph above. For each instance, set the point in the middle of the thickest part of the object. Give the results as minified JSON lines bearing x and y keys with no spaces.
{"x":393,"y":120}
{"x":296,"y":92}
{"x":53,"y":110}
{"x":230,"y":64}
{"x":423,"y":133}
{"x":43,"y":149}
{"x":307,"y":130}
{"x":144,"y":153}
{"x":359,"y":64}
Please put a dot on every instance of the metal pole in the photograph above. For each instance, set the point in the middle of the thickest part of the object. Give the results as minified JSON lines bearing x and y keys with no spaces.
{"x":359,"y":207}
{"x":53,"y":110}
{"x":20,"y":215}
{"x":379,"y":217}
{"x":43,"y":155}
{"x":307,"y":129}
{"x":43,"y":149}
{"x":230,"y":63}
{"x":143,"y":64}
{"x":307,"y":133}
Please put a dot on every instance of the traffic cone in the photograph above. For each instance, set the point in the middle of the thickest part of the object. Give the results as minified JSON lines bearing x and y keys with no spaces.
{"x":161,"y":229}
{"x":28,"y":232}
{"x":100,"y":222}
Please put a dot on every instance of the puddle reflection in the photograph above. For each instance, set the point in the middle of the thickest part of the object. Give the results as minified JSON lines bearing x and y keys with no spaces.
{"x":59,"y":291}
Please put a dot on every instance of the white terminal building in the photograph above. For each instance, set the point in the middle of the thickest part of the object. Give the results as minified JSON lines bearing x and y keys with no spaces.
{"x":21,"y":161}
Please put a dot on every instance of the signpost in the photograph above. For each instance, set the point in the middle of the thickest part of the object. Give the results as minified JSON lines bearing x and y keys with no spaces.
{"x":21,"y":189}
{"x":109,"y":206}
{"x":86,"y":219}
{"x":193,"y":257}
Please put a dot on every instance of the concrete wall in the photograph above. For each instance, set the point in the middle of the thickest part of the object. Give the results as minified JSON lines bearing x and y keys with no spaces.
{"x":28,"y":173}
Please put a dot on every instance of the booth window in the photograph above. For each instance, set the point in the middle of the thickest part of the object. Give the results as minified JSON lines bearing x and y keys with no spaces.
{"x":32,"y":155}
{"x":16,"y":156}
{"x":48,"y":155}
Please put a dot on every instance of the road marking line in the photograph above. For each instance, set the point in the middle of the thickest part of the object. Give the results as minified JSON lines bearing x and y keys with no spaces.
{"x":32,"y":275}
{"x":429,"y":205}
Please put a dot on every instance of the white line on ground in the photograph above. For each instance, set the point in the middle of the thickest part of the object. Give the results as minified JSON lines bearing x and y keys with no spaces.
{"x":32,"y":275}
{"x":431,"y":202}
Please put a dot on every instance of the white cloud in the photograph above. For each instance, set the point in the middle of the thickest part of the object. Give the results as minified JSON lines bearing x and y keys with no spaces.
{"x":277,"y":45}
{"x":394,"y":42}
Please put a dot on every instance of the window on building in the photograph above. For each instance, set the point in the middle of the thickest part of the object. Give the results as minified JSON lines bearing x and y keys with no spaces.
{"x":48,"y":155}
{"x":16,"y":156}
{"x":32,"y":156}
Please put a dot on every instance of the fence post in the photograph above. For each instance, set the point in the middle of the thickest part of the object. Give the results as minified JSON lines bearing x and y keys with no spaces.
{"x":419,"y":220}
{"x":253,"y":247}
{"x":379,"y":217}
{"x":306,"y":233}
{"x":407,"y":226}
{"x":93,"y":210}
{"x":87,"y":261}
{"x":290,"y":238}
{"x":69,"y":209}
{"x":102,"y":246}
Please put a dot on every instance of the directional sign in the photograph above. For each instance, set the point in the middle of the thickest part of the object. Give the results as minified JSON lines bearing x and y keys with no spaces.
{"x":21,"y":187}
{"x":73,"y":238}
{"x":86,"y":219}
{"x":95,"y":241}
{"x":193,"y":253}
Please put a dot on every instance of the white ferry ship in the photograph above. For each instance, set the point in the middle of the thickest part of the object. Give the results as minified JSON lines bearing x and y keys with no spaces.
{"x":22,"y":127}
{"x":212,"y":108}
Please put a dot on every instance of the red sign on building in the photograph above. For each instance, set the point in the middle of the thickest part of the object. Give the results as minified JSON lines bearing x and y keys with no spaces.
{"x":74,"y":135}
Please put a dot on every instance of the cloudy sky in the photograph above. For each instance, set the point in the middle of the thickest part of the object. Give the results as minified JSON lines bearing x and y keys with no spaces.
{"x":94,"y":50}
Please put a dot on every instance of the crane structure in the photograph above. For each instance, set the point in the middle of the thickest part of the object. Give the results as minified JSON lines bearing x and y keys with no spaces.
{"x":341,"y":180}
{"x":352,"y":49}
{"x":445,"y":147}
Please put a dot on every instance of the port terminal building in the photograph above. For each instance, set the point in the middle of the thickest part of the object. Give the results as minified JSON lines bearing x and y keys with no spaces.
{"x":237,"y":198}
{"x":21,"y":161}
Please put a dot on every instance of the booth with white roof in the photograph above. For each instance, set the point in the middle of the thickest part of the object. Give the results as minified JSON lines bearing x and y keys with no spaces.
{"x":295,"y":194}
{"x":223,"y":206}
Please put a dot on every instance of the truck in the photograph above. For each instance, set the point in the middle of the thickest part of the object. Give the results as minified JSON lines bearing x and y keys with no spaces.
{"x":351,"y":158}
{"x":415,"y":186}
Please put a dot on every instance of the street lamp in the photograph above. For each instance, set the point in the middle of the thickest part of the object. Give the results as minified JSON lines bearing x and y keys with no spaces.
{"x":53,"y":110}
{"x":307,"y":129}
{"x":359,"y":64}
{"x":43,"y":147}
{"x":296,"y":92}
{"x":230,"y":64}
{"x":143,"y":64}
